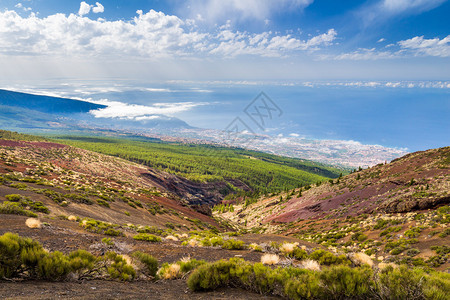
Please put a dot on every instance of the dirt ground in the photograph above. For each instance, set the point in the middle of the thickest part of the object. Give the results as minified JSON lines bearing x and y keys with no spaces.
{"x":67,"y":236}
{"x":99,"y":289}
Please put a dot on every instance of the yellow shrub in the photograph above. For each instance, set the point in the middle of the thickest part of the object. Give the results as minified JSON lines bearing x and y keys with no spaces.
{"x":270,"y":259}
{"x":33,"y":223}
{"x":310,"y":264}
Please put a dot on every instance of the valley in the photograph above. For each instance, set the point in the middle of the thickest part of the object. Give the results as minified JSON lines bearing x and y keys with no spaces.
{"x":389,"y":216}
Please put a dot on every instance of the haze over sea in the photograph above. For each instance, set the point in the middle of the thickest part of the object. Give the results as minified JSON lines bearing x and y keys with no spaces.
{"x":411,"y":115}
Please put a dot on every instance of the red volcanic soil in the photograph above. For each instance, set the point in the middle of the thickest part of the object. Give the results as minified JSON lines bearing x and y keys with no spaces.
{"x":416,"y":181}
{"x":43,"y":145}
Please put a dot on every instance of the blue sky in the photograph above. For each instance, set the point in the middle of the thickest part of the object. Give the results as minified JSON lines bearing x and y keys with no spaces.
{"x":375,"y":71}
{"x":213,"y":39}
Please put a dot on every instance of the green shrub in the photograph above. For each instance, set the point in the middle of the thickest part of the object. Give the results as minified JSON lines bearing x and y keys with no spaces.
{"x":119,"y":269}
{"x":83,"y":264}
{"x":170,"y":225}
{"x":19,"y":186}
{"x":413,"y":232}
{"x":400,"y":283}
{"x":412,"y":252}
{"x":23,"y":258}
{"x":13,"y":197}
{"x":359,"y":236}
{"x":342,"y":282}
{"x":299,"y":253}
{"x":327,"y":258}
{"x":232,"y":244}
{"x":79,"y":198}
{"x":381,"y":223}
{"x":97,"y":226}
{"x":107,"y":241}
{"x":147,"y":237}
{"x":445,"y":233}
{"x":54,"y":266}
{"x":15,"y":256}
{"x":303,"y":286}
{"x":15,"y":208}
{"x":149,"y":261}
{"x":103,"y":203}
{"x":210,"y":276}
{"x":437,"y":286}
{"x":113,"y":232}
{"x":189,"y":265}
{"x":152,"y":229}
{"x":441,"y":249}
{"x":390,"y":229}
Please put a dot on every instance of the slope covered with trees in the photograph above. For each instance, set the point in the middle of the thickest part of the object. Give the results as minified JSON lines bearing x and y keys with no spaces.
{"x":261,"y":172}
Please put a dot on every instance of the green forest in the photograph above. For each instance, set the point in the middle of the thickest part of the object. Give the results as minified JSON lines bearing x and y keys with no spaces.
{"x":262,"y":172}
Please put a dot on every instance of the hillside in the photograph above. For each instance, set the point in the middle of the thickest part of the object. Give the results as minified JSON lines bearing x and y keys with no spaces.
{"x":46,"y":104}
{"x":381,"y":204}
{"x":238,"y":170}
{"x":56,"y":115}
{"x":89,"y":225}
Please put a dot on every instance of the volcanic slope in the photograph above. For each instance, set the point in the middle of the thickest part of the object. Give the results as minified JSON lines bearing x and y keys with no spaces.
{"x":100,"y":228}
{"x":82,"y":200}
{"x":397,"y":211}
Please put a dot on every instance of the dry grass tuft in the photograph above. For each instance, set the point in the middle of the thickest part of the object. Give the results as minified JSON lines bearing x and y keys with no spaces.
{"x":288,"y":248}
{"x":270,"y":259}
{"x":383,"y":266}
{"x":185,"y":259}
{"x":361,"y":258}
{"x":127,"y":259}
{"x":194,"y":243}
{"x":71,"y":218}
{"x":171,"y":238}
{"x":33,"y":223}
{"x":310,"y":264}
{"x":172,"y":272}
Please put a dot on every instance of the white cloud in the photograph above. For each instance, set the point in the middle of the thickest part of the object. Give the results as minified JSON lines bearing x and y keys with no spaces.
{"x":400,"y":6}
{"x":381,"y":40}
{"x":84,"y":8}
{"x":431,"y":47}
{"x":386,"y":9}
{"x":416,"y":46}
{"x":294,"y":134}
{"x":265,"y":44}
{"x":150,"y":35}
{"x":20,"y":5}
{"x":363,"y":54}
{"x":218,"y":11}
{"x":393,"y":84}
{"x":99,"y":8}
{"x":116,"y":109}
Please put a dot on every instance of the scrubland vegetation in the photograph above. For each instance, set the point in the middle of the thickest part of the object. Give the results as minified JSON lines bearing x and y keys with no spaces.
{"x":23,"y":258}
{"x":260,"y":171}
{"x":112,"y":213}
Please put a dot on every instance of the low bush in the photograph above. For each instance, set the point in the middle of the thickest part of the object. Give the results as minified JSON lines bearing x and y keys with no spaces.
{"x":233,"y":244}
{"x":119,"y":268}
{"x":14,"y":208}
{"x":147,"y":237}
{"x":97,"y":226}
{"x":13,"y":197}
{"x":327,"y":258}
{"x":149,"y":262}
{"x":335,"y":282}
{"x":23,"y":258}
{"x":178,"y":269}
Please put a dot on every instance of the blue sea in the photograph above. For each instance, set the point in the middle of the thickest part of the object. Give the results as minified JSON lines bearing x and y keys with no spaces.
{"x":415,"y":116}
